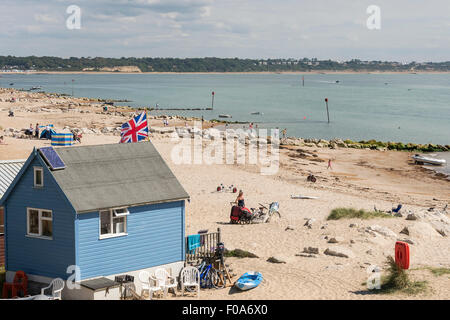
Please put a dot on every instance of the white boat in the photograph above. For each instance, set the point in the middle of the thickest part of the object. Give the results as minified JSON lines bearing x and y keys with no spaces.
{"x":427,"y":160}
{"x":224,"y":116}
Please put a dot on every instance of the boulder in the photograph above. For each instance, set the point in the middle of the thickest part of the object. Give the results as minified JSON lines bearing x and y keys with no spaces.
{"x":405,"y":231}
{"x":381,"y":230}
{"x":276,"y":260}
{"x":410,"y":241}
{"x":339,"y":252}
{"x":441,"y":227}
{"x":412,"y":217}
{"x":422,"y":230}
{"x":311,"y":250}
{"x":306,"y":255}
{"x":309,"y":223}
{"x":336,"y":240}
{"x":107,"y":130}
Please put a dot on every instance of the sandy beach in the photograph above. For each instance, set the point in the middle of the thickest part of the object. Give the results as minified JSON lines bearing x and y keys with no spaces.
{"x":359,"y":179}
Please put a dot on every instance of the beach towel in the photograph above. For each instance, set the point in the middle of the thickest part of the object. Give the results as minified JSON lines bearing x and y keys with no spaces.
{"x":193,"y":243}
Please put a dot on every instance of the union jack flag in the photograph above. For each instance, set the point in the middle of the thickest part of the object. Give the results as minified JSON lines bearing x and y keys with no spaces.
{"x":135,"y":130}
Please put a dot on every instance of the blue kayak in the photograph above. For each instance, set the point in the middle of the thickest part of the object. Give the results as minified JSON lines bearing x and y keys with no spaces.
{"x":249,"y":280}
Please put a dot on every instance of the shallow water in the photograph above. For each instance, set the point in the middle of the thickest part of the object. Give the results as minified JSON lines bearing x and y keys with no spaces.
{"x":387,"y":107}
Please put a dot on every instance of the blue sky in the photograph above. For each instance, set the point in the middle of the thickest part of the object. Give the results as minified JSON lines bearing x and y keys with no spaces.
{"x":411,"y":30}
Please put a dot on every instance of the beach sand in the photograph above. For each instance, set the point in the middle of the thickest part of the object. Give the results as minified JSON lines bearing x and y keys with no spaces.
{"x":359,"y":179}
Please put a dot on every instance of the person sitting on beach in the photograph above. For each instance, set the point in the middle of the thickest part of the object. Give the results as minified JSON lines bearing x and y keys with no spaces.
{"x":36,"y":131}
{"x":1,"y":140}
{"x":240,"y":199}
{"x":29,"y":131}
{"x":11,"y":113}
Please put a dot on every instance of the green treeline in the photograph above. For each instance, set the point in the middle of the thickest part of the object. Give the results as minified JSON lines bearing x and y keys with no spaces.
{"x":211,"y":64}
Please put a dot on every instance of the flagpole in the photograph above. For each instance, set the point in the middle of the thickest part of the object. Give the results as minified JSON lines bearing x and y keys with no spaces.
{"x":146,"y":114}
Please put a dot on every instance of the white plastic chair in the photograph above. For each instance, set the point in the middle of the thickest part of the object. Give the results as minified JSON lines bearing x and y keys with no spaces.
{"x":57,"y":286}
{"x":145,"y":278}
{"x":165,"y":280}
{"x":190,"y":277}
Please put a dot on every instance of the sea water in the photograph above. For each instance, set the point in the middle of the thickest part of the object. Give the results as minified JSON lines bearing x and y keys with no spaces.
{"x":386,"y":107}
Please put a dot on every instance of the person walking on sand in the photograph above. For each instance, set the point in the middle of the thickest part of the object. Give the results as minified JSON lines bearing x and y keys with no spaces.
{"x":284,"y":132}
{"x":329,"y":165}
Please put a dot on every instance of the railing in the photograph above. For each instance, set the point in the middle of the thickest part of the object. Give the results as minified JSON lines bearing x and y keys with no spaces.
{"x":207,"y":249}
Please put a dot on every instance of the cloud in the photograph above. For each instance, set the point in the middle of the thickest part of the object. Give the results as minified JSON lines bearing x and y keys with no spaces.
{"x":325,"y":29}
{"x":46,"y":18}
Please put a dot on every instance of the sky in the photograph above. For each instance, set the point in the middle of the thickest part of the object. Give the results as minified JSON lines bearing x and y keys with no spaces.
{"x":410,"y":30}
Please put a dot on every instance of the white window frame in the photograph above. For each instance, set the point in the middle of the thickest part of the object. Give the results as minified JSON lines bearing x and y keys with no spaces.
{"x":42,"y":177}
{"x":40,"y":218}
{"x":112,"y":215}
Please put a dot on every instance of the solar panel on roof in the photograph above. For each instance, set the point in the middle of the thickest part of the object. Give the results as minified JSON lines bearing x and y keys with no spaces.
{"x":52,"y":158}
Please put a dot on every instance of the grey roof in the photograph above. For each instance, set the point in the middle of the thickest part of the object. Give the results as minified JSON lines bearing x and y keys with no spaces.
{"x":116,"y":175}
{"x":8,"y":171}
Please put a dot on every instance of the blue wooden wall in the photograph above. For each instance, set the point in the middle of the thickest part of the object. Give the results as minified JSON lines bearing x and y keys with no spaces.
{"x":42,"y":257}
{"x":155,"y":237}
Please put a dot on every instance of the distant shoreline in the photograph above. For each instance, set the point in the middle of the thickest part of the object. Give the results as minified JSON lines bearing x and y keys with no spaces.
{"x":237,"y":73}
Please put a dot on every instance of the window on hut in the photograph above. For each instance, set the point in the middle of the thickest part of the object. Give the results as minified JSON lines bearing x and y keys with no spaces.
{"x":113,"y":222}
{"x":40,"y":223}
{"x":38,"y":177}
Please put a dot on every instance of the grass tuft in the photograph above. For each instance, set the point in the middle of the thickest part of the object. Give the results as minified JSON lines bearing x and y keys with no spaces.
{"x":238,"y":253}
{"x":439,"y":271}
{"x":350,"y":213}
{"x":397,"y":280}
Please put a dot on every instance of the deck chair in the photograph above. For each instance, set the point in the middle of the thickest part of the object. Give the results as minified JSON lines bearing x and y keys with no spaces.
{"x":190,"y":277}
{"x":146,"y":282}
{"x":20,"y":283}
{"x":165,"y":281}
{"x":57,"y":286}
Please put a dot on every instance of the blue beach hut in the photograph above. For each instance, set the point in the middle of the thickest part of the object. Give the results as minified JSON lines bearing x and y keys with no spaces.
{"x":94,"y":212}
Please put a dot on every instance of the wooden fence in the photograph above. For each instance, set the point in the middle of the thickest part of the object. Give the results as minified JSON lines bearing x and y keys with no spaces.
{"x":207,"y":249}
{"x":2,"y":250}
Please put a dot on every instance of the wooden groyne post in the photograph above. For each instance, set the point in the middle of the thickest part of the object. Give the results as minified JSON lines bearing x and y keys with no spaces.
{"x":328,"y":114}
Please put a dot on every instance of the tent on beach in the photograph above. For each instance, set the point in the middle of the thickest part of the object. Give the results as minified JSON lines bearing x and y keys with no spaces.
{"x":47,"y":132}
